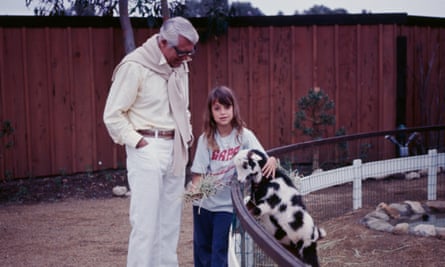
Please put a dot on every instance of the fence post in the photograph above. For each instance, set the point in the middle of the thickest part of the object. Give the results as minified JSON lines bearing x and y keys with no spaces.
{"x":357,"y":184}
{"x":432,"y":174}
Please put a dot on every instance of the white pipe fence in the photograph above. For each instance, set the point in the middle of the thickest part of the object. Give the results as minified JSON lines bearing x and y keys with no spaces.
{"x":432,"y":162}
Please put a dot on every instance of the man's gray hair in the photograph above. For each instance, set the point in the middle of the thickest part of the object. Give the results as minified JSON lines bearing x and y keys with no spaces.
{"x":173,"y":27}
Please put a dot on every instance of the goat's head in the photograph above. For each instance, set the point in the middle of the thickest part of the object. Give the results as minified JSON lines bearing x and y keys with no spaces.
{"x":249,"y":163}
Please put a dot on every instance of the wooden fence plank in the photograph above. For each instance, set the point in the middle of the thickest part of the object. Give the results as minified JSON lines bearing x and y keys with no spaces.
{"x":17,"y":158}
{"x":199,"y":80}
{"x":283,"y":102}
{"x":82,"y":95}
{"x":219,"y":61}
{"x":369,"y":76}
{"x":38,"y":97}
{"x":303,"y":69}
{"x":387,"y":80}
{"x":61,"y":102}
{"x":259,"y":91}
{"x":239,"y":61}
{"x":326,"y":65}
{"x":347,"y":105}
{"x":103,"y":66}
{"x":2,"y":100}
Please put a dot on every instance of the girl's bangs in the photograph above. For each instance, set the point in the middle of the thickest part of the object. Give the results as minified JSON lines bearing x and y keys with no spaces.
{"x":223,"y":99}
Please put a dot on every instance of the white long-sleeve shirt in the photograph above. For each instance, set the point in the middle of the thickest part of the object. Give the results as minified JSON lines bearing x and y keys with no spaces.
{"x":138,"y":99}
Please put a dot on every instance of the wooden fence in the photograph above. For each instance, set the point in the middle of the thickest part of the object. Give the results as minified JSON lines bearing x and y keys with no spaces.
{"x":380,"y":70}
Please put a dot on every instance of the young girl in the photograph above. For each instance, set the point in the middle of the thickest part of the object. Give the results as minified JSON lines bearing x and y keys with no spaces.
{"x":224,"y":135}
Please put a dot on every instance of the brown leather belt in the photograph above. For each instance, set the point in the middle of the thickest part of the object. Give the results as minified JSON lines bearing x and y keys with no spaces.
{"x":158,"y":134}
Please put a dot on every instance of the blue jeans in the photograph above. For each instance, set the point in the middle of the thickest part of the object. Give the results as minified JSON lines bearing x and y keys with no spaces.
{"x":211,"y":237}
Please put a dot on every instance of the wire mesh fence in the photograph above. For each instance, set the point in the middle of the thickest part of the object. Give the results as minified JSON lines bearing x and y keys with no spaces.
{"x":412,"y":182}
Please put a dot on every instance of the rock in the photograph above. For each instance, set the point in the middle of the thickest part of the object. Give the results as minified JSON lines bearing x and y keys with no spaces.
{"x":440,"y":232}
{"x":401,"y":228}
{"x":416,"y":217}
{"x":424,"y":230}
{"x":436,"y":205}
{"x":423,"y":172}
{"x":378,"y":225}
{"x":403,"y":209}
{"x":392,"y":212}
{"x":378,"y":214}
{"x":119,"y":191}
{"x":415,"y":206}
{"x":412,"y":175}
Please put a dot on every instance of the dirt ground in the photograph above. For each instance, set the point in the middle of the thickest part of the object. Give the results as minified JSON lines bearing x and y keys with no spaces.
{"x":75,"y":221}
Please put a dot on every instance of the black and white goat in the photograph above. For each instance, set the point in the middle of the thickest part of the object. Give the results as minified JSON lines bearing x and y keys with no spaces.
{"x":279,"y":207}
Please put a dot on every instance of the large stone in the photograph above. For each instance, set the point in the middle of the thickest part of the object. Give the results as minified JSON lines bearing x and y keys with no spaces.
{"x":401,"y":228}
{"x":379,"y":225}
{"x":412,"y":175}
{"x":402,"y":208}
{"x":436,"y":205}
{"x":120,"y":191}
{"x":424,"y":230}
{"x":416,"y":206}
{"x":440,"y":232}
{"x":378,"y":214}
{"x":390,"y":211}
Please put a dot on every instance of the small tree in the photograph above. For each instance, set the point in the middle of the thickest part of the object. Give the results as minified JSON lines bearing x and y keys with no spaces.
{"x":314,"y":113}
{"x":6,"y":131}
{"x":313,"y":117}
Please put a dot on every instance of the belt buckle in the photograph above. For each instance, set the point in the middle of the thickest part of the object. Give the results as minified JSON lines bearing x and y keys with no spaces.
{"x":156,"y":133}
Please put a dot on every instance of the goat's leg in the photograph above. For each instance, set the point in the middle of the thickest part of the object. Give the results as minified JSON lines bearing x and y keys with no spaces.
{"x":310,"y":255}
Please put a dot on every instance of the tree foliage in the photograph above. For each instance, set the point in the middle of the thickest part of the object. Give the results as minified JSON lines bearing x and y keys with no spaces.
{"x":6,"y":130}
{"x":314,"y":113}
{"x":143,"y":8}
{"x":321,"y":10}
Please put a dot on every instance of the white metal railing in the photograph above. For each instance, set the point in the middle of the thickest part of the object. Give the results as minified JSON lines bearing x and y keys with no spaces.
{"x":361,"y":171}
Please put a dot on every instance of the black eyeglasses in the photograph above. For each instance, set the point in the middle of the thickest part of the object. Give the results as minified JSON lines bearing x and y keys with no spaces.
{"x":181,"y":53}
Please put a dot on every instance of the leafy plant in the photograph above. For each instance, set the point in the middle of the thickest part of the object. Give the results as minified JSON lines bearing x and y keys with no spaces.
{"x":6,"y":130}
{"x":314,"y":113}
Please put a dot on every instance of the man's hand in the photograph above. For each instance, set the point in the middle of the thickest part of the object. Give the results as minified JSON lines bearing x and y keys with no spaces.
{"x":141,"y":143}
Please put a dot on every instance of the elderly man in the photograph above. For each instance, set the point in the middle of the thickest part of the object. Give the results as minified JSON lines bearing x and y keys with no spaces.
{"x":147,"y":111}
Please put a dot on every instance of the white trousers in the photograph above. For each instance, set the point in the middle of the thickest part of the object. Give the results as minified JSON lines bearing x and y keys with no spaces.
{"x":155,"y":206}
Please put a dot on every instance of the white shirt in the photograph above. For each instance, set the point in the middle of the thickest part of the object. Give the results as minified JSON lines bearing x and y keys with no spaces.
{"x":219,"y":164}
{"x":138,"y":100}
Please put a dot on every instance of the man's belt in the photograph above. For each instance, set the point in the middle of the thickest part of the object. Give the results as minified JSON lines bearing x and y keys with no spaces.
{"x":158,"y":133}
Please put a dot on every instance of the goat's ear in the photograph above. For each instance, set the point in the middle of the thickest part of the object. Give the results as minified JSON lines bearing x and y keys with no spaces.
{"x":256,"y":157}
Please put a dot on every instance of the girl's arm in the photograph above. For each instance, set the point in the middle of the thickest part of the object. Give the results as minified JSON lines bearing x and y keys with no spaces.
{"x":196,"y":179}
{"x":253,"y":143}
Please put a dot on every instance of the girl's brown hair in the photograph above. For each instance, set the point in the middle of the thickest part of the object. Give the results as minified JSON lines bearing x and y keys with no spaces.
{"x":225,"y":97}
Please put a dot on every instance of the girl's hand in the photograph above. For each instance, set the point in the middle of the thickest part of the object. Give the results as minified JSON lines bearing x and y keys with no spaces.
{"x":270,"y":167}
{"x":192,"y":185}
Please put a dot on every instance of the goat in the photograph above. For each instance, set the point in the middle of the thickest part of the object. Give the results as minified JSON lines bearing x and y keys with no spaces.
{"x":279,"y":206}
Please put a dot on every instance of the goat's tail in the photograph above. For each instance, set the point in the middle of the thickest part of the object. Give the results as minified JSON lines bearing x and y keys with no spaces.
{"x":322,"y":232}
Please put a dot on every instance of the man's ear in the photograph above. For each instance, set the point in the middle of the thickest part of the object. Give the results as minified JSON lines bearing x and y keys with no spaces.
{"x":163,"y":43}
